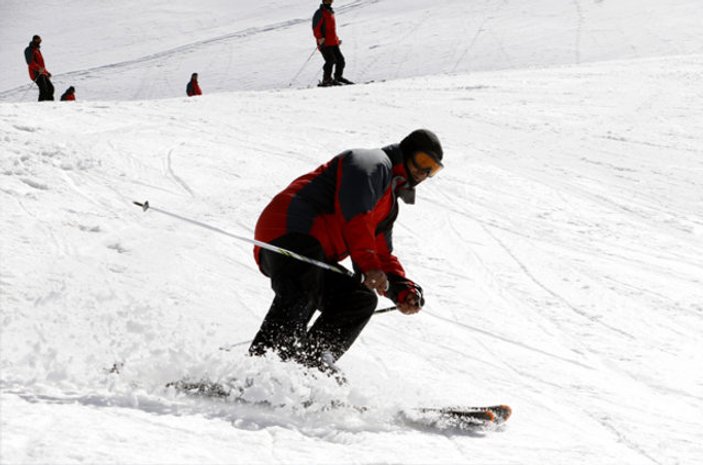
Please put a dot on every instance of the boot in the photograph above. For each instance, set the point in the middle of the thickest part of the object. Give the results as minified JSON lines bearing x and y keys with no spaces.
{"x":328,"y":83}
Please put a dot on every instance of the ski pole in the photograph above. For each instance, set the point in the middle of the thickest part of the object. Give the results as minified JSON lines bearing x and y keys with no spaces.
{"x":237,"y":344}
{"x":264,"y":245}
{"x":34,"y":81}
{"x":385,"y":310}
{"x":302,"y":67}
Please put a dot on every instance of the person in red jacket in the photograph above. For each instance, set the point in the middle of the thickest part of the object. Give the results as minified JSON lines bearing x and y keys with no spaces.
{"x":37,"y":71}
{"x":69,"y":95}
{"x":324,"y":28}
{"x":344,"y":208}
{"x":193,"y":88}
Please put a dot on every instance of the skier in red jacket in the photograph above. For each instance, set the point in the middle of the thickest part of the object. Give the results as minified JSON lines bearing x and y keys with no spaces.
{"x":69,"y":95}
{"x":345,"y":207}
{"x":324,"y":28}
{"x":193,"y":88}
{"x":37,"y":71}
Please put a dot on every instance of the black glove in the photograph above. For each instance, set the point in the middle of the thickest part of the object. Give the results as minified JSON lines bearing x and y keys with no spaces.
{"x":400,"y":289}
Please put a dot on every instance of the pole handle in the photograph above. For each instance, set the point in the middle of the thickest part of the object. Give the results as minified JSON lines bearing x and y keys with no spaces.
{"x":145,"y":205}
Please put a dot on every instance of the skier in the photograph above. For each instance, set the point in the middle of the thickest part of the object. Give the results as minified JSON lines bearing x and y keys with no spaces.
{"x":69,"y":95}
{"x":324,"y":27}
{"x":345,"y":207}
{"x":193,"y":88}
{"x":37,"y":72}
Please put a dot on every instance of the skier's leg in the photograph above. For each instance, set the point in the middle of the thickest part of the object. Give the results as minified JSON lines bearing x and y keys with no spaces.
{"x":43,"y":88}
{"x":296,"y":285}
{"x":285,"y":324}
{"x":329,"y":56}
{"x":340,"y":62}
{"x":347,"y":306}
{"x":49,"y":89}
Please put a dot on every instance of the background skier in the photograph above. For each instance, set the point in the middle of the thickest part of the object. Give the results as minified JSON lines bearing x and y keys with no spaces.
{"x":37,"y":71}
{"x":192,"y":88}
{"x":345,"y":207}
{"x":69,"y":95}
{"x":324,"y":27}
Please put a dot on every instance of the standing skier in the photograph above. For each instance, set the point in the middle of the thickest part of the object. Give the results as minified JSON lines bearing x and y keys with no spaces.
{"x":324,"y":27}
{"x":345,"y":207}
{"x":192,"y":88}
{"x":37,"y":72}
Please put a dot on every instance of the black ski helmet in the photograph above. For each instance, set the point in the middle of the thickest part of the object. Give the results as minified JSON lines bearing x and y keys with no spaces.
{"x":421,"y":140}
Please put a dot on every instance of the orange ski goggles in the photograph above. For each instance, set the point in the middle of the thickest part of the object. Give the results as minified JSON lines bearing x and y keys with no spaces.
{"x":426,"y":163}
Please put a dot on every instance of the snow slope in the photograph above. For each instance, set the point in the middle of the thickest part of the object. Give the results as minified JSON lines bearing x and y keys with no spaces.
{"x":142,"y":50}
{"x":561,"y":251}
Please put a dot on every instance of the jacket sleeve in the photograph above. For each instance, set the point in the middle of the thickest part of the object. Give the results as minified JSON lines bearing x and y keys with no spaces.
{"x":36,"y":64}
{"x":384,"y":248}
{"x":364,"y":177}
{"x":318,"y":21}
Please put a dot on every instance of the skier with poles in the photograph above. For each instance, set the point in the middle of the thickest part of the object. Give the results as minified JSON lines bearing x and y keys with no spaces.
{"x":37,"y":72}
{"x":324,"y":28}
{"x":345,"y":207}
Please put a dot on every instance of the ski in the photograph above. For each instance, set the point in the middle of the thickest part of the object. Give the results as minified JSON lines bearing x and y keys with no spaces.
{"x":348,"y":83}
{"x":440,"y":418}
{"x":200,"y":388}
{"x":212,"y":390}
{"x":334,"y":84}
{"x":468,"y":419}
{"x":493,"y":414}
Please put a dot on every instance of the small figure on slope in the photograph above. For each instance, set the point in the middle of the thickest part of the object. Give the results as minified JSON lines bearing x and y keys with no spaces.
{"x":192,"y":88}
{"x":37,"y":71}
{"x":69,"y":95}
{"x":324,"y":27}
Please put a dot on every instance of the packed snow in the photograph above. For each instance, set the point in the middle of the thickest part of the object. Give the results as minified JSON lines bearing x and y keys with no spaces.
{"x":561,"y":249}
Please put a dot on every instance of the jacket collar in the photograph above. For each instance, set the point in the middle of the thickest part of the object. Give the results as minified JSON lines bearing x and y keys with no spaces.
{"x":401,"y":185}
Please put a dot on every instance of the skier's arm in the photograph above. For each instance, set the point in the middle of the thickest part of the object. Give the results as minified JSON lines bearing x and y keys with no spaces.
{"x":358,"y":235}
{"x":384,"y":248}
{"x":406,"y":294}
{"x":36,"y":66}
{"x":40,"y":62}
{"x":363,"y":178}
{"x":318,"y":28}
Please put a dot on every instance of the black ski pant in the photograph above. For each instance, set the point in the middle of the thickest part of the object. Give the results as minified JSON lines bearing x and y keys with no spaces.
{"x":333,"y":59}
{"x":46,"y":88}
{"x":344,"y":303}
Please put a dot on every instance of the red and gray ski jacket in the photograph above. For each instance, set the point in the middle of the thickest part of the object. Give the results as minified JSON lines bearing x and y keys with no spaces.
{"x":324,"y":25}
{"x":193,"y":88}
{"x":35,"y":61}
{"x":348,"y":204}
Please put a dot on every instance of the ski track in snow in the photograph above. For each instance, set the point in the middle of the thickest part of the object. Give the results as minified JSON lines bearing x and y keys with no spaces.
{"x":176,"y":178}
{"x":560,"y":250}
